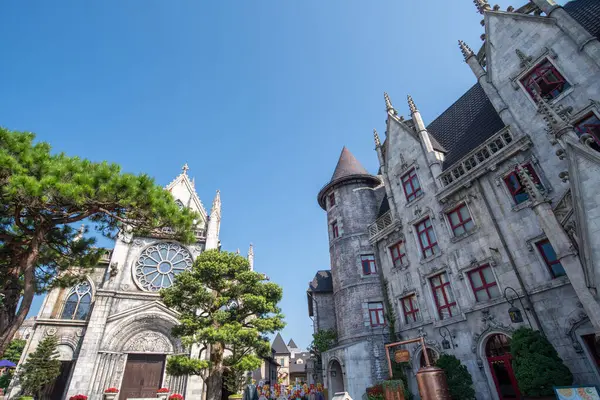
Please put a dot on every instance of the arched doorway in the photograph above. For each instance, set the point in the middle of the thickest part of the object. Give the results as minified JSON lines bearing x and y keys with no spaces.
{"x":336,"y":378}
{"x":497,"y":351}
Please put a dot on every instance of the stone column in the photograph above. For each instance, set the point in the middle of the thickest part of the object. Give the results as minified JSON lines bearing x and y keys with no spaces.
{"x":108,"y":373}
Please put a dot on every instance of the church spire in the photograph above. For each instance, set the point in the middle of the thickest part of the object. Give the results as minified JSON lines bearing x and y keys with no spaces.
{"x":214,"y":223}
{"x":411,"y":105}
{"x":465,"y":49}
{"x":251,"y":257}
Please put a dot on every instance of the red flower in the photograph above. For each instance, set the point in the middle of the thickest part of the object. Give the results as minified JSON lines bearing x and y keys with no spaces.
{"x":111,"y":390}
{"x":176,"y":396}
{"x":78,"y":397}
{"x":163,"y":390}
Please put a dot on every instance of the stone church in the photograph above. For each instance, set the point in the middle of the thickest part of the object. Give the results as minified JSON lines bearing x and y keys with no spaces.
{"x":113,"y":329}
{"x":492,"y":207}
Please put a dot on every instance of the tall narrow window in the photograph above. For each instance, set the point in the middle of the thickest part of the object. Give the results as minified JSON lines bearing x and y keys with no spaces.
{"x":515,"y":187}
{"x":79,"y":300}
{"x":460,"y":220}
{"x":483,"y":283}
{"x":590,"y":124}
{"x":376,"y":314}
{"x":368,"y":264}
{"x":411,"y":185}
{"x":545,"y":80}
{"x":398,"y":253}
{"x":552,"y":262}
{"x":442,"y":294}
{"x":334,"y":230}
{"x":410,"y":308}
{"x":332,"y":199}
{"x":427,"y":238}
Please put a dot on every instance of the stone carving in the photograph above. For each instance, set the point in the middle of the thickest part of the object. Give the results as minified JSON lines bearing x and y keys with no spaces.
{"x":114,"y":269}
{"x":564,"y":207}
{"x":79,"y":332}
{"x":148,"y":342}
{"x":51,"y":331}
{"x":573,"y":323}
{"x":138,"y":243}
{"x":124,"y":287}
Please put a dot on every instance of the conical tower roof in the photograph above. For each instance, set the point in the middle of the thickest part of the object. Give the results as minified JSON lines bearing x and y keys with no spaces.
{"x":348,"y":167}
{"x":279,"y":345}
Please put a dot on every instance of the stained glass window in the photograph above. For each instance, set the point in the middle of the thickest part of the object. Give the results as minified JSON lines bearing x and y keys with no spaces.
{"x":158,"y":264}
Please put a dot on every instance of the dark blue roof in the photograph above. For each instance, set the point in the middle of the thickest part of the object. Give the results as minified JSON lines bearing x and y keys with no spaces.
{"x":586,"y":13}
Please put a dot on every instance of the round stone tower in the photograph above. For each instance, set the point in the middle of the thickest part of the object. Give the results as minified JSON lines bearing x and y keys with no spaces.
{"x":351,"y":207}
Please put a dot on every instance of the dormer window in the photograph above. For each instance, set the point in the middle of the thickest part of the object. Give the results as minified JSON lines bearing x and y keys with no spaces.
{"x":411,"y":185}
{"x":545,"y":80}
{"x":590,"y":124}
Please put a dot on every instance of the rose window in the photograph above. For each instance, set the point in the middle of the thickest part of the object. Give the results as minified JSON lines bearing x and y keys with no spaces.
{"x":158,"y":264}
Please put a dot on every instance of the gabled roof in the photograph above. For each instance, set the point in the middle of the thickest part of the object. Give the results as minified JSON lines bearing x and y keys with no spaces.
{"x":292,"y":345}
{"x":465,"y":124}
{"x":322,"y":282}
{"x":184,"y":180}
{"x":279,"y":345}
{"x":586,"y":13}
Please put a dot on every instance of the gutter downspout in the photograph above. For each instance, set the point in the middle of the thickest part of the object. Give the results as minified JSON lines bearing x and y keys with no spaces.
{"x":510,"y":258}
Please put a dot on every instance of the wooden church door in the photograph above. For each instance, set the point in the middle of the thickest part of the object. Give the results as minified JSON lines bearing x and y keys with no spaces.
{"x":143,"y":375}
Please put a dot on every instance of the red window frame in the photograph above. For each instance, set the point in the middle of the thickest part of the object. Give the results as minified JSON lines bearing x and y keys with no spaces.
{"x":590,"y":124}
{"x":518,"y":193}
{"x":443,"y":303}
{"x":431,"y":244}
{"x":376,"y":314}
{"x":409,"y":181}
{"x":410,"y":308}
{"x":331,"y":198}
{"x":335,"y":230}
{"x":549,"y":263}
{"x":369,"y":266}
{"x":461,"y":222}
{"x":485,"y":285}
{"x":398,"y":253}
{"x":545,"y":79}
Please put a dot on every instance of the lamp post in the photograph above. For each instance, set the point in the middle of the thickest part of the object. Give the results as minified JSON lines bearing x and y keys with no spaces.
{"x":514,"y":312}
{"x":447,"y":345}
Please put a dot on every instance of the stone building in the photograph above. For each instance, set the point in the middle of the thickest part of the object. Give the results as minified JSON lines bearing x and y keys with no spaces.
{"x":497,"y":198}
{"x":113,"y":329}
{"x":291,"y":361}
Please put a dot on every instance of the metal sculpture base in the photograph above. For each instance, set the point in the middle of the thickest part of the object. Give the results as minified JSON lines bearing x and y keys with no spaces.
{"x":432,"y":384}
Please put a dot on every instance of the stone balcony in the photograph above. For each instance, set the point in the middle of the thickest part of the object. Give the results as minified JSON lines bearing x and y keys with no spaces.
{"x":383,"y":226}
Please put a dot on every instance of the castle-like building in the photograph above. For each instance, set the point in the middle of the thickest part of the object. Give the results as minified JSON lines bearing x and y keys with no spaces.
{"x":113,"y":329}
{"x":485,"y":220}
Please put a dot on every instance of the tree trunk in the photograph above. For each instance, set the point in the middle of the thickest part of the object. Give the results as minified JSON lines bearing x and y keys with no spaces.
{"x":214,"y":382}
{"x":9,"y":321}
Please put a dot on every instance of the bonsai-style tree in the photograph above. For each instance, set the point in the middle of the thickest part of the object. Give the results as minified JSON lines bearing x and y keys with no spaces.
{"x":41,"y":367}
{"x":460,"y":382}
{"x":536,"y":364}
{"x":41,"y":195}
{"x":224,"y":305}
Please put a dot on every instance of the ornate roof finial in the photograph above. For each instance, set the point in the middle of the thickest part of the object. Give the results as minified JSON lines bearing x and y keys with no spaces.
{"x":556,"y":120}
{"x":482,"y":6}
{"x":524,"y":59}
{"x":185,"y":168}
{"x":80,"y":233}
{"x":411,"y":105}
{"x":388,"y":102}
{"x":251,"y":257}
{"x":237,"y":251}
{"x":216,"y":205}
{"x":376,"y":136}
{"x":466,"y":50}
{"x":533,"y":189}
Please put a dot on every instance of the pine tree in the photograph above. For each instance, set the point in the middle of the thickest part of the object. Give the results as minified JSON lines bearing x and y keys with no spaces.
{"x":41,"y":368}
{"x":460,"y":382}
{"x":536,"y":363}
{"x":42,"y":194}
{"x":14,"y":350}
{"x":224,"y":305}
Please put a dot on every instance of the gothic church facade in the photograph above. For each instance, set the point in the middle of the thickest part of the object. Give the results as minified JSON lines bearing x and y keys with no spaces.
{"x":492,"y":207}
{"x":113,"y":330}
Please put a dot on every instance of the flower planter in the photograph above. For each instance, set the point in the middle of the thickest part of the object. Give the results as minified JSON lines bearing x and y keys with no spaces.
{"x":162,"y":396}
{"x":391,"y":393}
{"x":110,"y":396}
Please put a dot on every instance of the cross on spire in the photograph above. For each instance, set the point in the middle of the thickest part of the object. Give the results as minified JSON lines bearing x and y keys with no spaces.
{"x":185,"y":169}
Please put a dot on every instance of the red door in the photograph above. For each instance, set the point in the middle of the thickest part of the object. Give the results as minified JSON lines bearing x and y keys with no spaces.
{"x":498,"y":355}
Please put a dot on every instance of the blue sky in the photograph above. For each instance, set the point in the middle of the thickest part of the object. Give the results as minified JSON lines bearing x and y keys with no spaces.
{"x":258,"y":97}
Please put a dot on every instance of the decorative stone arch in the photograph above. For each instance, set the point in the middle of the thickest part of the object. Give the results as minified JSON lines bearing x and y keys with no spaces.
{"x":479,"y":345}
{"x":415,"y":361}
{"x":138,"y":332}
{"x":576,"y":327}
{"x":335,"y":383}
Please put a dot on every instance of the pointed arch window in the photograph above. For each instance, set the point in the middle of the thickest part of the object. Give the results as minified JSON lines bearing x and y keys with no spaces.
{"x":78,"y":303}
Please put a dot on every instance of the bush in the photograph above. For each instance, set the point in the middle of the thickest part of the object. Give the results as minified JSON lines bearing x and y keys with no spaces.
{"x":536,"y":364}
{"x":375,"y":392}
{"x":398,"y":372}
{"x":460,"y":383}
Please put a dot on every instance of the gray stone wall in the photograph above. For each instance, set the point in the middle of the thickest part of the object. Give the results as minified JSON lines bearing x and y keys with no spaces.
{"x":324,"y":311}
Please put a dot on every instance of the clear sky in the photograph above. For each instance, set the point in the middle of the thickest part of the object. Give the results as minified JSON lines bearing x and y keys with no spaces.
{"x":258,"y":97}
